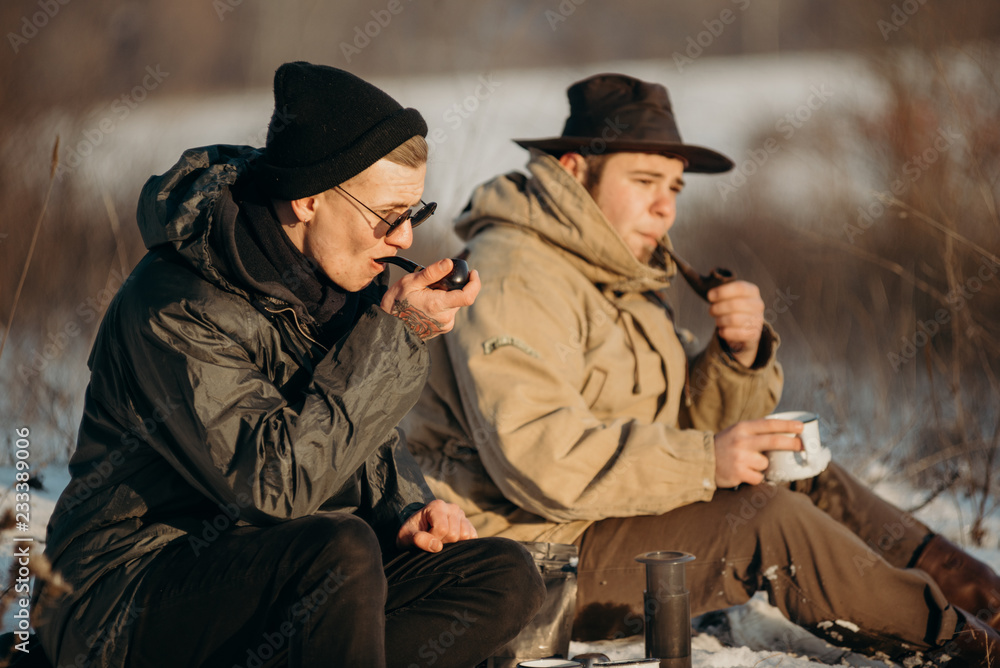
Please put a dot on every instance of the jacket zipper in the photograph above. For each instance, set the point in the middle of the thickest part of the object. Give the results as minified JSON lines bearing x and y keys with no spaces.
{"x":298,"y":325}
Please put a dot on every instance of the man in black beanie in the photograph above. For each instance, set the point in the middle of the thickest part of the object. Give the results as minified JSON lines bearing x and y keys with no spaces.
{"x":240,"y":494}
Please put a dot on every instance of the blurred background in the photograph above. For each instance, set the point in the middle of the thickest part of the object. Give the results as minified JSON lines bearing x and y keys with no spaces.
{"x":864,"y":202}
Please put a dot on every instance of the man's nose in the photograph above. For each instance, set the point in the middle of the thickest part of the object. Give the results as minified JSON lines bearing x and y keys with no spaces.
{"x":401,"y":237}
{"x":665,"y":207}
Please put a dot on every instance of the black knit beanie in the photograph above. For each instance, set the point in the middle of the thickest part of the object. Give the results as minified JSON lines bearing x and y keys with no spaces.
{"x":328,"y":125}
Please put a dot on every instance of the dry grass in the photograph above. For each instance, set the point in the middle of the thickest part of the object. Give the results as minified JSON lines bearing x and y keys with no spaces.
{"x":894,"y":334}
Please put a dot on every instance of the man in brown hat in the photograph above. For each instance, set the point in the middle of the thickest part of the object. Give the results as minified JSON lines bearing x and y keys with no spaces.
{"x":558,"y":410}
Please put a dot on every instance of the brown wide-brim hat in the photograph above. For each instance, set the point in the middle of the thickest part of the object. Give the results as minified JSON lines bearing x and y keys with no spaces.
{"x":611,"y":113}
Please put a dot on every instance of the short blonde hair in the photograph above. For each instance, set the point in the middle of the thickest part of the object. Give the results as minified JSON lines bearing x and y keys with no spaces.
{"x":411,"y":153}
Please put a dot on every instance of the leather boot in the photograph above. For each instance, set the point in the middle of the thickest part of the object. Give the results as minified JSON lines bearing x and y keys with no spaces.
{"x":965,"y":581}
{"x":975,"y":645}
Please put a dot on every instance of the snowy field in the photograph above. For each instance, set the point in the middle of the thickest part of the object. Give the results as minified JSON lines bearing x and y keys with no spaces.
{"x":760,"y":635}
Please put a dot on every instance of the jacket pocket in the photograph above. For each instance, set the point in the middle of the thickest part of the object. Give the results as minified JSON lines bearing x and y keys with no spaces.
{"x":592,"y":388}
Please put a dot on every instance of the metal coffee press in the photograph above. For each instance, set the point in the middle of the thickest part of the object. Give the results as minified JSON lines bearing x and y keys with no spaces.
{"x":667,"y":608}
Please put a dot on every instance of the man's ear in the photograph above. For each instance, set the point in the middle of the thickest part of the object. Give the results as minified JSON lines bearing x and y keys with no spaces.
{"x":304,"y":208}
{"x":576,"y":165}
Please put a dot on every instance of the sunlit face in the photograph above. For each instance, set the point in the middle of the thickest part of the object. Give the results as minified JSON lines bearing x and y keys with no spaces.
{"x":343,"y":237}
{"x":638,"y":194}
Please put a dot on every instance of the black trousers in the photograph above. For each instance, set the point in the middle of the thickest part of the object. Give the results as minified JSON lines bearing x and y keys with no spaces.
{"x":315,"y":592}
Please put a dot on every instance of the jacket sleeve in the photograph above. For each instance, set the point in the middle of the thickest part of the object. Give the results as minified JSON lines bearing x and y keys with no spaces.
{"x":395,"y":489}
{"x":232,"y":434}
{"x":519,"y":367}
{"x":721,"y":392}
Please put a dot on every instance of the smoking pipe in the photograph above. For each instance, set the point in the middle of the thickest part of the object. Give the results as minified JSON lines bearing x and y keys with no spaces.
{"x":455,"y":280}
{"x":700,"y":284}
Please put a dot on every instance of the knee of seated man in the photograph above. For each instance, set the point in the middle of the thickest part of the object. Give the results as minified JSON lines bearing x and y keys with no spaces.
{"x":515,"y":568}
{"x":340,"y":539}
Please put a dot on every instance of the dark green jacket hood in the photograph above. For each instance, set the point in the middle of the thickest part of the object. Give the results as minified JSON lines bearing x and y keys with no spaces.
{"x":179,"y":208}
{"x":190,"y":210}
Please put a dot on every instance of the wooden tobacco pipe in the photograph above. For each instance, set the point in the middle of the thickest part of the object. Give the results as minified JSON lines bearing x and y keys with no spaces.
{"x":455,"y":280}
{"x":702,"y":284}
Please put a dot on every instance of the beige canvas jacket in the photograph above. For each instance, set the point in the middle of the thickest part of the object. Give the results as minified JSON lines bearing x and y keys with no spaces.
{"x":560,"y":398}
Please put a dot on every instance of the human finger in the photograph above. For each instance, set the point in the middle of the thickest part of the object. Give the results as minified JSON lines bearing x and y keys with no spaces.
{"x":468,"y":531}
{"x":427,"y":542}
{"x":773,"y":426}
{"x":741,"y":324}
{"x":733,"y":290}
{"x":768,"y":442}
{"x":434,"y":272}
{"x":445,"y":521}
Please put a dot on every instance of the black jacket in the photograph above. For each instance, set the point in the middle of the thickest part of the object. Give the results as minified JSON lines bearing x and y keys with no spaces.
{"x":211,"y":404}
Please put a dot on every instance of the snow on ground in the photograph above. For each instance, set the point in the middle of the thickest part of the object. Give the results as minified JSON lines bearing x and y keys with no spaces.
{"x":762,"y":635}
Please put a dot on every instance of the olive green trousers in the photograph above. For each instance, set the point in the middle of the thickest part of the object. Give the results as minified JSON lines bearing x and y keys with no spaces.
{"x":831,"y":554}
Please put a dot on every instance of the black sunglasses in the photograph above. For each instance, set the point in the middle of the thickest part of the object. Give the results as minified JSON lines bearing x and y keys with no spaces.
{"x":415,"y":218}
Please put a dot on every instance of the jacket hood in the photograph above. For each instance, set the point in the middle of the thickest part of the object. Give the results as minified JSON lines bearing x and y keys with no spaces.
{"x":553,"y":205}
{"x":180,"y":207}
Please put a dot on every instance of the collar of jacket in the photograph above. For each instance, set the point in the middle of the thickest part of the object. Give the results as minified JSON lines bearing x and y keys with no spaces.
{"x":190,"y":210}
{"x":554,"y":206}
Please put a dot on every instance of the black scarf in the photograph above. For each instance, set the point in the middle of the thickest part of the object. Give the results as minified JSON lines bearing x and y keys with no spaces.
{"x":269,"y":256}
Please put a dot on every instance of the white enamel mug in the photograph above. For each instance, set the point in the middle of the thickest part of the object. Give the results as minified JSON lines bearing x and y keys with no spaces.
{"x":787,"y":465}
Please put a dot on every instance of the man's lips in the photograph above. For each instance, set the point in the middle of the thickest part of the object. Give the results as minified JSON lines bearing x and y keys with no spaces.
{"x":650,"y":240}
